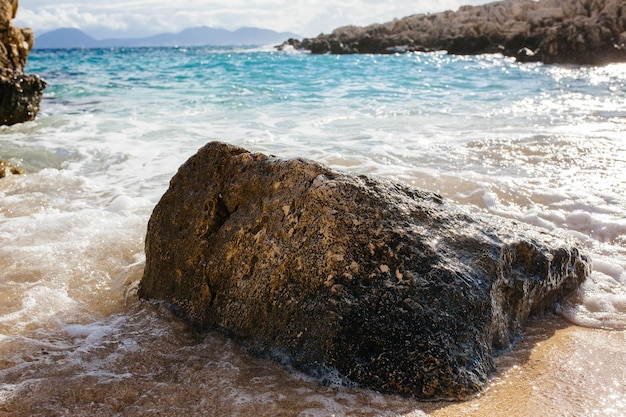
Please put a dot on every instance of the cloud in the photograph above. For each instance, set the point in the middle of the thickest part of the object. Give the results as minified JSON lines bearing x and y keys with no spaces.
{"x":144,"y":17}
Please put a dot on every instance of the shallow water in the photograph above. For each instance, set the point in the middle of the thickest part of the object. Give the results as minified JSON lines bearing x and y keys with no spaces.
{"x":541,"y":144}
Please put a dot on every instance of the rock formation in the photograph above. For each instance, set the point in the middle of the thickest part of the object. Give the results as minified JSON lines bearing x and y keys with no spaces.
{"x":8,"y":169}
{"x":552,"y":31}
{"x":20,"y":94}
{"x":392,"y":286}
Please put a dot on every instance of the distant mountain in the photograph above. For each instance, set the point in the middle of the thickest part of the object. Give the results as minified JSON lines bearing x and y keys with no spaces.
{"x":67,"y":38}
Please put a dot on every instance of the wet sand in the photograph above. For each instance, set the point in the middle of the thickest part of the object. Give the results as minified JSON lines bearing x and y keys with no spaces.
{"x":556,"y":370}
{"x":145,"y":362}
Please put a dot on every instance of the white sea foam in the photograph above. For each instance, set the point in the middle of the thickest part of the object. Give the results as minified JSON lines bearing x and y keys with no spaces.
{"x":63,"y":257}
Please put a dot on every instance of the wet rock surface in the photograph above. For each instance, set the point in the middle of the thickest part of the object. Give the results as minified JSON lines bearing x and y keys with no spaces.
{"x":20,"y":97}
{"x":7,"y":169}
{"x":393,"y":287}
{"x":20,"y":94}
{"x":552,"y":31}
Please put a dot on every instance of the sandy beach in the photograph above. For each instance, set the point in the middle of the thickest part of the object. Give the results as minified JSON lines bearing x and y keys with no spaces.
{"x":557,"y":369}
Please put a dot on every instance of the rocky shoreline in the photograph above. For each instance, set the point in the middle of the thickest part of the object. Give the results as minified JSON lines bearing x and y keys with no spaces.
{"x":20,"y":94}
{"x":583,"y":32}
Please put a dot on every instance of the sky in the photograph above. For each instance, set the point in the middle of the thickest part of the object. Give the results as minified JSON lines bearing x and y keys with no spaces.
{"x":135,"y":18}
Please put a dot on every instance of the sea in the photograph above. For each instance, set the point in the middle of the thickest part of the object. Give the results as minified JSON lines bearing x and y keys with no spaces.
{"x":542,"y":144}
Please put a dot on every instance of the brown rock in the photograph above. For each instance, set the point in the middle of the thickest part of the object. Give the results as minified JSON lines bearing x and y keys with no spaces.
{"x":8,"y":169}
{"x":20,"y":94}
{"x":392,"y":286}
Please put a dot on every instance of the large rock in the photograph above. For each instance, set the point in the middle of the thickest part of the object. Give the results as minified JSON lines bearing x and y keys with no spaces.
{"x":392,"y":286}
{"x":20,"y":94}
{"x":551,"y":31}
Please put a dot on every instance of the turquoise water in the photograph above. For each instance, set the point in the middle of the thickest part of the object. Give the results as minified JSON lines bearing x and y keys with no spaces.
{"x":541,"y":144}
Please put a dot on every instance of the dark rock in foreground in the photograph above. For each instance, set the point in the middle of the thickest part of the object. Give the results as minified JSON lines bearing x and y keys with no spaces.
{"x":551,"y":31}
{"x":20,"y":94}
{"x":392,"y":286}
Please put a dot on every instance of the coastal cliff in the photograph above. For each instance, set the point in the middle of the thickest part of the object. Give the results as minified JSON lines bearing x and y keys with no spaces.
{"x":20,"y":94}
{"x":391,"y":286}
{"x":587,"y":32}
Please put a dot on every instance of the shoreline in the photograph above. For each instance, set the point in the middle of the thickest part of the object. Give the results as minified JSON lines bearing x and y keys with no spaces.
{"x":548,"y":31}
{"x":557,"y":368}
